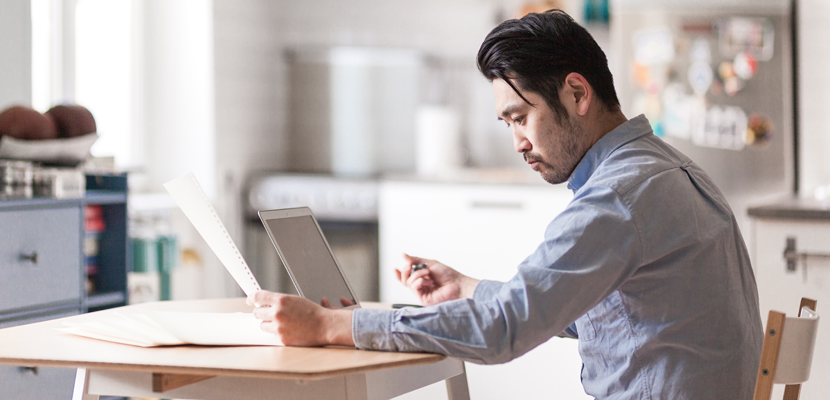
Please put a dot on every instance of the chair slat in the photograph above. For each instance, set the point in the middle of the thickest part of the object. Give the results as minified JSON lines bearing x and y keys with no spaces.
{"x":769,"y":355}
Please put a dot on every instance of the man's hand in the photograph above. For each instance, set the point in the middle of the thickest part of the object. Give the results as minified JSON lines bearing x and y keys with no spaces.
{"x":437,"y":282}
{"x":343,"y":301}
{"x":299,"y":322}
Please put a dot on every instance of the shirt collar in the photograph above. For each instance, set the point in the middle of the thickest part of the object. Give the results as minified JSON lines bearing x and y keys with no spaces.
{"x":626,"y":132}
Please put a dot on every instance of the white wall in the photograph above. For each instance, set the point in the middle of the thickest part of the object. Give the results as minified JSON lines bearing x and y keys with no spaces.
{"x":814,"y":100}
{"x":178,"y":91}
{"x":178,"y":115}
{"x":16,"y":50}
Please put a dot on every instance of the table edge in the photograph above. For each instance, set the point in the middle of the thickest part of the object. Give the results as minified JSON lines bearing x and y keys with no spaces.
{"x":430,"y":359}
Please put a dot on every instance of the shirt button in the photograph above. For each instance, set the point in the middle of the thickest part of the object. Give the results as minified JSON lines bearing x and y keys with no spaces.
{"x":375,"y":345}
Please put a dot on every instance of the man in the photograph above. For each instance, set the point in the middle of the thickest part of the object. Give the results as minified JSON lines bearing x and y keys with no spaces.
{"x":646,"y":266}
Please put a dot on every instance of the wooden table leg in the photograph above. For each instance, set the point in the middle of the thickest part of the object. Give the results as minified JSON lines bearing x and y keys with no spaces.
{"x":457,"y":388}
{"x":80,"y":392}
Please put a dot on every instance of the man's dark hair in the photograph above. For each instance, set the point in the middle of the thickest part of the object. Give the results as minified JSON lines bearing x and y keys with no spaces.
{"x":536,"y":53}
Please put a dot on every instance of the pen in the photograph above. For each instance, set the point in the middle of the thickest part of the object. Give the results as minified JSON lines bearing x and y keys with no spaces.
{"x":418,"y":267}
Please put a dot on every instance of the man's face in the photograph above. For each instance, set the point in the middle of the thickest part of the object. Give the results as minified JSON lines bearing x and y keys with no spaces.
{"x":551,"y":148}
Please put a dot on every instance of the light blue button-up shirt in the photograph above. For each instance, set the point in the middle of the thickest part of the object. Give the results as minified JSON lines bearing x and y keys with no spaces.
{"x":646,"y":266}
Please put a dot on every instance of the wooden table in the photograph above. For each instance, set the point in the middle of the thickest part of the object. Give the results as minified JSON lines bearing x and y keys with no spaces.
{"x":225,"y":373}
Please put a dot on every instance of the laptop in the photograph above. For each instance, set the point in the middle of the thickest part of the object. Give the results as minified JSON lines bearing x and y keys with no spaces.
{"x":307,"y":257}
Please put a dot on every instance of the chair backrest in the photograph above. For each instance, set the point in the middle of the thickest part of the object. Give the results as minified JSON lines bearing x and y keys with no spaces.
{"x":788,"y":351}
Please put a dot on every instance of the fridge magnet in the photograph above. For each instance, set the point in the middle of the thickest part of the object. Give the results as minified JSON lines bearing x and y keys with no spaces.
{"x":677,"y":111}
{"x":726,"y":70}
{"x":726,"y":74}
{"x":732,"y":128}
{"x":700,"y":77}
{"x":745,"y":66}
{"x":723,"y":128}
{"x":759,"y":131}
{"x":650,"y":106}
{"x":742,"y":34}
{"x":653,"y":46}
{"x":641,"y":74}
{"x":711,"y":128}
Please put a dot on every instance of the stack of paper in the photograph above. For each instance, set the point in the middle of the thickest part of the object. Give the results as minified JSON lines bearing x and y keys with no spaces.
{"x":164,"y":328}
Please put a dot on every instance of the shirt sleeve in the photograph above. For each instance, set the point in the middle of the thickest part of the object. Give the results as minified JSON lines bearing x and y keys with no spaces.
{"x":589,"y":250}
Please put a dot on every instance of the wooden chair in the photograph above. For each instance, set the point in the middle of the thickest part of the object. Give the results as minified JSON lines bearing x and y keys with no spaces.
{"x":786,"y":358}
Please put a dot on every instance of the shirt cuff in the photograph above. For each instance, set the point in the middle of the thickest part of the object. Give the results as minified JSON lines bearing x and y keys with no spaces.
{"x":372,"y":329}
{"x":486,"y":290}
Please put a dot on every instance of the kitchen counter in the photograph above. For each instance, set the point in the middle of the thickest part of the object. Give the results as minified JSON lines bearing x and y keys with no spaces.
{"x":794,"y":209}
{"x":498,"y":176}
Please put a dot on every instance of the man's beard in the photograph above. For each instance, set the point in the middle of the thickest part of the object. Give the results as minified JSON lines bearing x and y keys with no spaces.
{"x":571,"y":144}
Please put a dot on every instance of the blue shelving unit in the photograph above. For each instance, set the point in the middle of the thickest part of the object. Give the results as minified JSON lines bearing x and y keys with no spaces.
{"x":43,"y":274}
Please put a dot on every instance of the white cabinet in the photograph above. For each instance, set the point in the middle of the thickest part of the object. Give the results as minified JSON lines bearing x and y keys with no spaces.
{"x":781,"y":290}
{"x":484,"y":231}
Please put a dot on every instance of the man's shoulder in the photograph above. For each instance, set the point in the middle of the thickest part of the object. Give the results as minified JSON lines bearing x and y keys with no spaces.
{"x":637,"y":163}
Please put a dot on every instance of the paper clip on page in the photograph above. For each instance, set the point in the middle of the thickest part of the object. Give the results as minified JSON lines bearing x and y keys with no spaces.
{"x":190,"y":197}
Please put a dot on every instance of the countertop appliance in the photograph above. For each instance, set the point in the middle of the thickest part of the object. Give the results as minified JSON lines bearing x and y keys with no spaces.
{"x":347,"y":210}
{"x":715,"y":78}
{"x":353,"y":110}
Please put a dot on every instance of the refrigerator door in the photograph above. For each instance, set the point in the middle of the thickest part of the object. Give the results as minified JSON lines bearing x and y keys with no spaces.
{"x":715,"y":80}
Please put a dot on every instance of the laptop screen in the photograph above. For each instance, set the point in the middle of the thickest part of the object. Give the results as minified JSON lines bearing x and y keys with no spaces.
{"x":309,"y":260}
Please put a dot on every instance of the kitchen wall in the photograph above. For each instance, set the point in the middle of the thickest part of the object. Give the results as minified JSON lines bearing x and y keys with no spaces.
{"x":251,"y":38}
{"x":814,"y":98}
{"x":16,"y":50}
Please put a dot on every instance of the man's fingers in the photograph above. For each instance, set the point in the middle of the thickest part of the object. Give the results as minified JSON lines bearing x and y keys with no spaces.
{"x":416,"y":275}
{"x":265,"y":313}
{"x":269,"y":326}
{"x":325,"y":302}
{"x":264,"y":298}
{"x":422,"y":283}
{"x":346,"y":302}
{"x":413,"y":260}
{"x":402,"y":274}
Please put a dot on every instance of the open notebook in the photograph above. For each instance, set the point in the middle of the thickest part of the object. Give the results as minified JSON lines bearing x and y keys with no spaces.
{"x":160,"y":328}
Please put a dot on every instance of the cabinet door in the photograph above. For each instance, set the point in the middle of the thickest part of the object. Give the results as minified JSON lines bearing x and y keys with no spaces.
{"x":484,"y":231}
{"x":781,"y":290}
{"x":36,"y":383}
{"x":40,"y":257}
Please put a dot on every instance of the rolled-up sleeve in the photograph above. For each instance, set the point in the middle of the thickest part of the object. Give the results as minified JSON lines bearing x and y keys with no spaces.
{"x":589,"y":250}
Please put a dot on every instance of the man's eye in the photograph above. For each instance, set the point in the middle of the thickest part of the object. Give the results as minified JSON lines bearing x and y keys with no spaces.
{"x":518,"y":120}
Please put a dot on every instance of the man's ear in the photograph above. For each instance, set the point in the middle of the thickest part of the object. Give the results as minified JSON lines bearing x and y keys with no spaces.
{"x":577,"y":93}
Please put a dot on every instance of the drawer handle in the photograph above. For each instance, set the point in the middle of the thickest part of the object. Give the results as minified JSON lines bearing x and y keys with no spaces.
{"x":793,"y":256}
{"x":29,"y":257}
{"x":24,"y":370}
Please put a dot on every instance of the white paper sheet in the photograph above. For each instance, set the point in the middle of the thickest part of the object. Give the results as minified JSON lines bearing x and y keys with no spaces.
{"x":190,"y":197}
{"x":215,"y":328}
{"x":164,"y":328}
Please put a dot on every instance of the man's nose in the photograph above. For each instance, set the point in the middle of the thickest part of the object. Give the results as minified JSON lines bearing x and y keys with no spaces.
{"x":520,"y":143}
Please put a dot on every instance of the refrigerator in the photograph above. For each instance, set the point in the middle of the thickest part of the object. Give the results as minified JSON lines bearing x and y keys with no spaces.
{"x":715,"y":79}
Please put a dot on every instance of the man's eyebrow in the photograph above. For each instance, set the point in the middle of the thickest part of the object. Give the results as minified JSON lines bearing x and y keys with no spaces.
{"x":508,"y":110}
